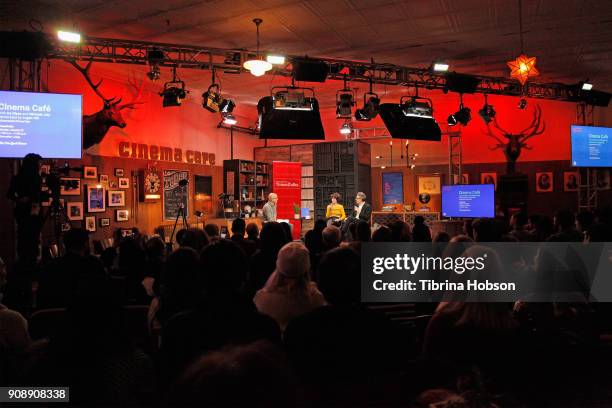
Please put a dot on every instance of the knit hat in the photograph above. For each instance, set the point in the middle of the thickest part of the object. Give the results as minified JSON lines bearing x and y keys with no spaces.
{"x":293,"y":260}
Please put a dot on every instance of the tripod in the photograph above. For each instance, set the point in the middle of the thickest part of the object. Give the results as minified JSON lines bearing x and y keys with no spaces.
{"x":179,"y":213}
{"x":56,"y":212}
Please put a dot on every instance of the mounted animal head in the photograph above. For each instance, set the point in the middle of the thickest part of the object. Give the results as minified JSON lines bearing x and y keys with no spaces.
{"x":516,"y":141}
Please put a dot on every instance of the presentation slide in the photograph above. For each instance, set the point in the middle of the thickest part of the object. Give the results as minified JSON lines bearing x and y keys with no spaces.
{"x":44,"y":123}
{"x":469,"y":201}
{"x":591,"y":146}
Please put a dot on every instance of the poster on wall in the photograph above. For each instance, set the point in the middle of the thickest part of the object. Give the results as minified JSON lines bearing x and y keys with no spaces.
{"x":175,"y":194}
{"x":429,"y":184}
{"x":393,"y":188}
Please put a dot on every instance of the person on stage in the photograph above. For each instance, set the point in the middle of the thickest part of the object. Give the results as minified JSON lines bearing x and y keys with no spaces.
{"x":362,"y":212}
{"x":335,"y":210}
{"x":269,"y":209}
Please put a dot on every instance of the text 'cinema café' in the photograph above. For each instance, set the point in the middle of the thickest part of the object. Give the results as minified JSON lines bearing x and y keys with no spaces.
{"x":194,"y":194}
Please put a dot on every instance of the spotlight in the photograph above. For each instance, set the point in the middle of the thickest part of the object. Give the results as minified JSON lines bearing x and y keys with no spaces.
{"x":370,"y":108}
{"x":211,"y":99}
{"x":276,"y":59}
{"x":229,"y":119}
{"x":69,"y":36}
{"x":522,"y":104}
{"x":462,"y":116}
{"x":227,"y":106}
{"x":154,"y":73}
{"x":487,"y":113}
{"x":347,"y":128}
{"x":587,"y":86}
{"x":344,"y":104}
{"x":440,"y":66}
{"x":292,"y":98}
{"x":418,"y":107}
{"x":174,"y":91}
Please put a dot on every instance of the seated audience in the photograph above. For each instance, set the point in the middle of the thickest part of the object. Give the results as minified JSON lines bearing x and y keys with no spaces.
{"x":331,"y":237}
{"x":238,"y":231}
{"x":314,"y":240}
{"x":132,"y":259}
{"x":518,"y":223}
{"x":212,"y":230}
{"x":263,"y":261}
{"x":382,"y":234}
{"x":289,"y":292}
{"x":565,"y":228}
{"x":420,"y":231}
{"x":155,"y":251}
{"x":252,"y":231}
{"x":400,"y":231}
{"x":485,"y":230}
{"x":194,"y":238}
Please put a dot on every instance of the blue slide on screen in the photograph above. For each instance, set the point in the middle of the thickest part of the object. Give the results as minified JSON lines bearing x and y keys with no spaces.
{"x":591,"y":146}
{"x":468,"y":201}
{"x":44,"y":123}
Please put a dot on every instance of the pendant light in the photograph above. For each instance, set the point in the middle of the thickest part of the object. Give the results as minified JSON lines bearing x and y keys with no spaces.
{"x":523,"y":67}
{"x":257,"y":66}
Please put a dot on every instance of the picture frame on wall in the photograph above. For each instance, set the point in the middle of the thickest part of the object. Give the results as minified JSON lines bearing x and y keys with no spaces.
{"x":74,"y":209}
{"x":70,"y":186}
{"x":103,"y":178}
{"x":95,"y":198}
{"x":113,"y":184}
{"x":571,"y":180}
{"x":90,"y":172}
{"x":116,"y":198}
{"x":124,"y":182}
{"x":393,"y":188}
{"x":122,"y":215}
{"x":429,"y":184}
{"x":104,"y":222}
{"x":489,"y":178}
{"x":465,"y":178}
{"x":90,"y":223}
{"x":544,"y":182}
{"x":119,"y":172}
{"x":603,"y":179}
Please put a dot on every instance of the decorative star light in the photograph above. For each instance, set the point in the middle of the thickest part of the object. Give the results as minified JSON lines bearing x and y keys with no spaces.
{"x":522,"y":68}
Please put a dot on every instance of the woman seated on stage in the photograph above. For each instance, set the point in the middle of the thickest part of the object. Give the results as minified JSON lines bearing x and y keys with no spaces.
{"x":335,"y":211}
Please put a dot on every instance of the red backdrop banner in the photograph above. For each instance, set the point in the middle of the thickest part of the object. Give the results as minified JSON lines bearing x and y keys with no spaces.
{"x":287,"y":184}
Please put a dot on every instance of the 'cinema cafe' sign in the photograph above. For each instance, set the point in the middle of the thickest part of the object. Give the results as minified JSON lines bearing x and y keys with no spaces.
{"x":163,"y":153}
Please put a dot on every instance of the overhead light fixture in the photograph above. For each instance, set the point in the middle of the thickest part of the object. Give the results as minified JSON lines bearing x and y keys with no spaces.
{"x":229,"y":119}
{"x":69,"y":36}
{"x":417,"y":107}
{"x":487,"y":112}
{"x":586,"y":86}
{"x":522,"y":104}
{"x":345,"y":100}
{"x":371,"y":106}
{"x":174,"y":91}
{"x":347,"y":128}
{"x":440,"y":67}
{"x":257,"y":66}
{"x":462,"y":116}
{"x":155,"y":57}
{"x":227,"y":106}
{"x":275,"y":59}
{"x":522,"y":67}
{"x":154,"y":73}
{"x":292,"y":98}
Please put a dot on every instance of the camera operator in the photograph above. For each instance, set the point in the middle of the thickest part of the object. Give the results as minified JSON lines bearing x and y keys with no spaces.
{"x":25,"y":191}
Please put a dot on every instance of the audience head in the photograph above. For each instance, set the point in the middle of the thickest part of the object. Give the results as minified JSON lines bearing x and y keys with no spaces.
{"x":400,"y":231}
{"x":195,"y":238}
{"x":564,"y":220}
{"x":584,"y":220}
{"x":518,"y":220}
{"x":225,"y":266}
{"x":485,"y":230}
{"x":362,"y":231}
{"x":181,"y":278}
{"x":598,"y":232}
{"x":292,"y":268}
{"x":179,"y":236}
{"x":252,"y":231}
{"x":155,"y":248}
{"x":468,"y":228}
{"x":76,"y":241}
{"x":420,"y":231}
{"x":273,"y":237}
{"x":332,"y":236}
{"x":319,"y":226}
{"x":287,"y":229}
{"x":339,"y":273}
{"x":442,"y":236}
{"x":238,"y":227}
{"x":382,"y":234}
{"x":212,"y":230}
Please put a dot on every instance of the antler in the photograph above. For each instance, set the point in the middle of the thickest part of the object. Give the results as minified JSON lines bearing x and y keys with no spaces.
{"x":85,"y":72}
{"x":500,"y":142}
{"x":137,"y":100}
{"x":534,"y":128}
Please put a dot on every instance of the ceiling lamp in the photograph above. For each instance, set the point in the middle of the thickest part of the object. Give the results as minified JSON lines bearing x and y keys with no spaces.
{"x":229,"y":119}
{"x":257,"y":66}
{"x":523,"y":66}
{"x":462,"y":116}
{"x":487,"y":112}
{"x":371,"y":106}
{"x":174,"y":91}
{"x":69,"y":36}
{"x":440,"y":66}
{"x":345,"y":100}
{"x":347,"y":128}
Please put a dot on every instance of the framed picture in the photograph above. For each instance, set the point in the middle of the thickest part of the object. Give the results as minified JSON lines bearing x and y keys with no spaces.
{"x":95,"y":198}
{"x":113,"y":184}
{"x":571,"y":179}
{"x":124,"y":182}
{"x":104,"y":222}
{"x":103,"y":178}
{"x":122,"y":215}
{"x":70,"y":186}
{"x":116,"y":198}
{"x":119,"y":172}
{"x":489,"y":178}
{"x":429,"y":184}
{"x":544,"y":182}
{"x":90,"y":223}
{"x":45,"y":169}
{"x":74,"y":210}
{"x":603,"y":179}
{"x":393,"y":188}
{"x":90,"y":172}
{"x":464,"y":179}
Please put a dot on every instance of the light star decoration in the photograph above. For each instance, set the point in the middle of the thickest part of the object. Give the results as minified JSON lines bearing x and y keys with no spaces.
{"x":522,"y":68}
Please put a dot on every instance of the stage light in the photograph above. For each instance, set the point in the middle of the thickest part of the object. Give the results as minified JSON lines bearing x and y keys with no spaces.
{"x":462,"y":116}
{"x":347,"y":128}
{"x":587,"y":86}
{"x":275,"y":59}
{"x":487,"y":112}
{"x":370,"y":108}
{"x":292,"y":98}
{"x":418,"y":107}
{"x":522,"y":104}
{"x":69,"y":36}
{"x":154,"y":73}
{"x":173,"y":95}
{"x":383,"y":167}
{"x":344,"y":104}
{"x":229,"y":119}
{"x":257,"y":66}
{"x":440,"y":67}
{"x":227,"y":106}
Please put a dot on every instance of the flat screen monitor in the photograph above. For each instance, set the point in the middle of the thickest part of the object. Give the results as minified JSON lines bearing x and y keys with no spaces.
{"x":468,"y":201}
{"x":44,"y":123}
{"x":591,"y":146}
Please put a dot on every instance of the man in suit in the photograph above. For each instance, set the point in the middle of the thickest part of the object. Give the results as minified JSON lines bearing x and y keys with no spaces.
{"x":361,"y":212}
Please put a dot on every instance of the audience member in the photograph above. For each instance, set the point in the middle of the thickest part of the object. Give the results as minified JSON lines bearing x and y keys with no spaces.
{"x":289,"y":292}
{"x":212,"y":230}
{"x":331,"y":237}
{"x":565,"y":228}
{"x":420,"y":231}
{"x":263,"y":261}
{"x":13,"y":327}
{"x":195,"y":238}
{"x":132,"y":259}
{"x":382,"y":234}
{"x":252,"y":231}
{"x":518,"y":223}
{"x":485,"y":230}
{"x":238,"y":231}
{"x":155,"y":251}
{"x":400,"y":231}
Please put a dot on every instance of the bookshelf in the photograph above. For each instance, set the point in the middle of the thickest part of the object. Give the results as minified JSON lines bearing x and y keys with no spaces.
{"x":247,"y":181}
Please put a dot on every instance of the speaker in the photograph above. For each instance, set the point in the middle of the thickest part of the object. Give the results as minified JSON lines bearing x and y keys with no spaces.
{"x":408,"y":127}
{"x":289,"y":124}
{"x":310,"y":70}
{"x":23,"y":45}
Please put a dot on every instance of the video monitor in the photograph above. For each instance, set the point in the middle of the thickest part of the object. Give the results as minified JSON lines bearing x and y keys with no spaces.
{"x":468,"y":201}
{"x":591,"y":146}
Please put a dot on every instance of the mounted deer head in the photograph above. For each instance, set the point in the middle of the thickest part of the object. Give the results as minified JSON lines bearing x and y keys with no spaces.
{"x":97,"y":125}
{"x":515,"y":142}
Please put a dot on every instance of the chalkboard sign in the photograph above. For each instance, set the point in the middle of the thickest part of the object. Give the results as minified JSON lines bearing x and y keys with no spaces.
{"x":175,"y":195}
